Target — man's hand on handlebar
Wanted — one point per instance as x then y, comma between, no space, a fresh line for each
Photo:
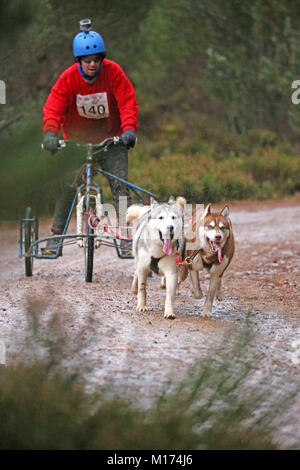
50,142
128,138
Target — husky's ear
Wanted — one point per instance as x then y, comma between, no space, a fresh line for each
171,200
225,211
206,211
153,202
180,201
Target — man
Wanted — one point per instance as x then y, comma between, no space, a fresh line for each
91,100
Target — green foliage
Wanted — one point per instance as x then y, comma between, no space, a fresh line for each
268,171
243,56
32,176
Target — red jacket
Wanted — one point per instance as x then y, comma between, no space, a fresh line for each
90,112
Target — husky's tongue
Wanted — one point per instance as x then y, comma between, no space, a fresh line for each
167,246
217,248
220,259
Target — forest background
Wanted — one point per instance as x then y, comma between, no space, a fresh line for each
214,88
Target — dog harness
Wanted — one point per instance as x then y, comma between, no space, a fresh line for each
207,264
154,264
155,261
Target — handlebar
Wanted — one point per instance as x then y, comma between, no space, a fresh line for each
108,141
102,145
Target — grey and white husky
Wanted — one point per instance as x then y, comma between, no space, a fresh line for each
159,236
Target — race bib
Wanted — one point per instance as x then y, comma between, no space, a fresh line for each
93,106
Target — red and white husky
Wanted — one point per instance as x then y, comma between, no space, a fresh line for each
214,249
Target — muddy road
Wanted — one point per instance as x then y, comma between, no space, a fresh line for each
139,353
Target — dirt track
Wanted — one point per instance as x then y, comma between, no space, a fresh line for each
141,352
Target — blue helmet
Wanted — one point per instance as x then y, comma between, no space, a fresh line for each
86,43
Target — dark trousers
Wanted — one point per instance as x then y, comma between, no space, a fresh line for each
115,161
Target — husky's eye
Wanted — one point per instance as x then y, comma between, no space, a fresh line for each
160,217
173,217
210,227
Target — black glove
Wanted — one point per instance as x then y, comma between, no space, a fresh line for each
128,138
50,142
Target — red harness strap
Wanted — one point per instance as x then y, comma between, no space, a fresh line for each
178,258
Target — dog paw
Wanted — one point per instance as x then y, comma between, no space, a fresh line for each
170,315
221,295
205,314
141,308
